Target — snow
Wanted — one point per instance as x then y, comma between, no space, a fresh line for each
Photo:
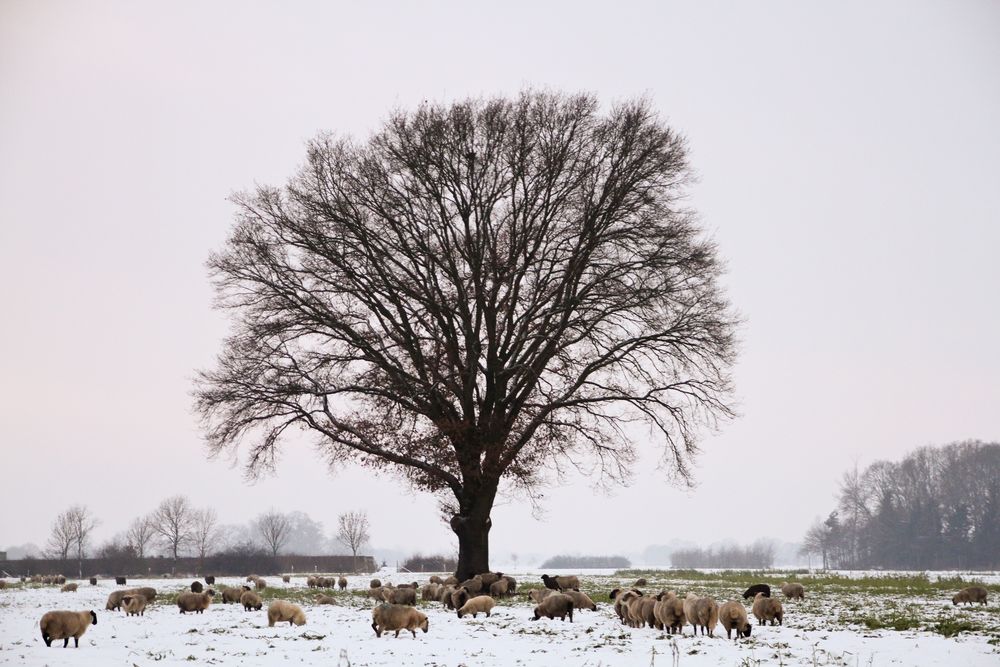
342,634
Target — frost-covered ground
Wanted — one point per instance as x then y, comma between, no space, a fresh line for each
831,627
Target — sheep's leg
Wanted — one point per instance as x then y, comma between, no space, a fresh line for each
65,642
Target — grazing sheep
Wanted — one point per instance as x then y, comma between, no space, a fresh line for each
147,592
430,592
280,611
135,604
539,594
325,599
555,605
621,600
757,588
251,601
436,579
400,595
481,604
639,582
639,611
498,588
196,587
3,584
767,609
311,582
669,613
388,617
93,581
260,584
561,583
120,581
59,579
690,600
489,578
210,580
733,616
342,583
375,583
459,597
511,584
234,593
793,591
444,596
196,602
451,580
115,600
251,578
68,588
969,595
474,585
412,585
66,624
581,600
706,611
286,578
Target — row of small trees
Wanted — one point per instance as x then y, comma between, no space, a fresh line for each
758,555
938,508
176,527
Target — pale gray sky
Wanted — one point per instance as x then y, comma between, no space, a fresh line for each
849,164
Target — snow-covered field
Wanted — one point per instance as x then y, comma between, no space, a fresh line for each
818,631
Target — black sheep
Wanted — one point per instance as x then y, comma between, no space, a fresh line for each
757,588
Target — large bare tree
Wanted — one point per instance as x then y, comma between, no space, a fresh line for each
479,297
61,538
173,522
204,532
274,528
139,535
352,532
71,534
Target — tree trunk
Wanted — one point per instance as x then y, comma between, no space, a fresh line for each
473,533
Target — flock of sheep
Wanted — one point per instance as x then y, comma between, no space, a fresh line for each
395,605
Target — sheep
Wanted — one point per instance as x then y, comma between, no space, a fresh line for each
260,584
407,596
3,584
68,588
511,584
210,580
539,594
196,587
793,591
733,616
481,604
251,601
311,582
251,578
66,624
234,593
342,583
375,583
147,592
286,578
459,598
639,582
767,609
561,583
498,588
93,581
325,599
388,617
639,611
115,600
621,600
444,596
120,581
706,612
451,580
669,613
969,595
135,604
555,605
757,588
412,585
581,600
280,611
59,579
430,592
489,578
436,579
474,585
196,602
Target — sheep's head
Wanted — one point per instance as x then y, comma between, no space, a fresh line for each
425,625
93,616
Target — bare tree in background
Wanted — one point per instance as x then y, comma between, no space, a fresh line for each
352,532
173,522
204,532
61,539
139,535
274,529
479,298
83,524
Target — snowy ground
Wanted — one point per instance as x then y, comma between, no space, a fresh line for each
822,630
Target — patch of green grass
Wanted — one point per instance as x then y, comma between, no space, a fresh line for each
949,627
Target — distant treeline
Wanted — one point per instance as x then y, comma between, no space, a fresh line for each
758,555
421,563
938,508
566,562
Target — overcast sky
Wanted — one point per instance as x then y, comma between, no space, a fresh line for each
849,167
